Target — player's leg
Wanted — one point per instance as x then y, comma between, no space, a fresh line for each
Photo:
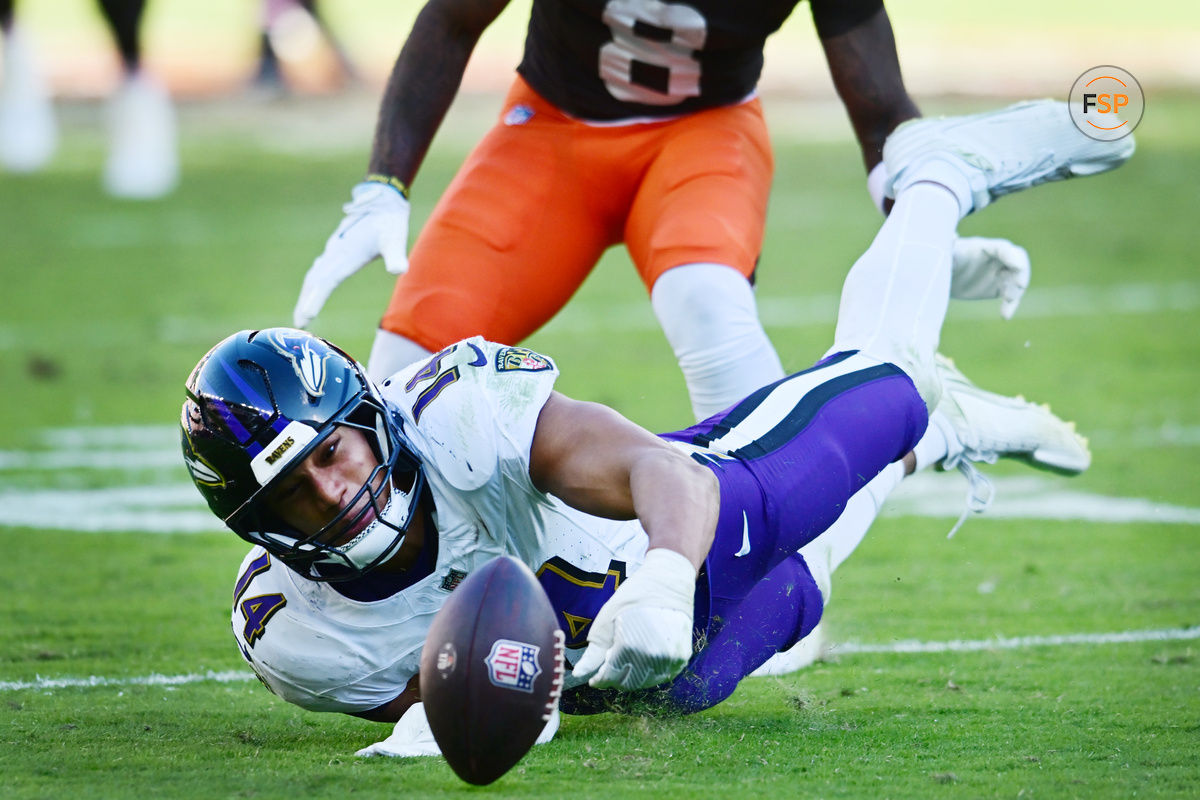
894,299
827,552
293,19
269,75
784,609
1003,151
392,352
971,425
143,158
345,63
791,456
780,609
805,445
766,632
710,318
745,619
124,19
513,236
28,130
695,231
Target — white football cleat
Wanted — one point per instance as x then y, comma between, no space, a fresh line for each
28,130
818,555
1003,151
804,653
982,427
143,158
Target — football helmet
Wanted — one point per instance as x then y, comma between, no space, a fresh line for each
257,405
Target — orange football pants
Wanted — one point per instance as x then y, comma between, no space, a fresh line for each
543,196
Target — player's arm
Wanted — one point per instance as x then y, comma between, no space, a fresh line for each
861,51
422,85
597,461
424,81
394,709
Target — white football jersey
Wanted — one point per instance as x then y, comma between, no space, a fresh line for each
469,414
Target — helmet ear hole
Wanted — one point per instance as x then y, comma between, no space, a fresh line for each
247,399
381,437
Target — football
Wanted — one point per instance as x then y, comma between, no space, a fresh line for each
491,670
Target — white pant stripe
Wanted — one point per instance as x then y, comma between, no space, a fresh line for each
780,402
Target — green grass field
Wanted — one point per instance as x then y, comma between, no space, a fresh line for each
118,676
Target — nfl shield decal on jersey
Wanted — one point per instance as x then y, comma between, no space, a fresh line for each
513,665
453,578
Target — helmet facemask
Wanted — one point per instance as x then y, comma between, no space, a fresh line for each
259,404
390,507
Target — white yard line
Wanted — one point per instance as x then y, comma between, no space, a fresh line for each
153,679
842,649
942,494
177,508
1018,642
169,504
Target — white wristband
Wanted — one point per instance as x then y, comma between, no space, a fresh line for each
673,571
876,178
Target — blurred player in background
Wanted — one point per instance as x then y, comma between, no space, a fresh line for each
369,503
632,121
142,160
294,24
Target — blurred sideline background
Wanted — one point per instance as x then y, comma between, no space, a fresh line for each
264,173
952,53
1016,48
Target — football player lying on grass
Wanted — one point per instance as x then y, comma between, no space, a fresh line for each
677,563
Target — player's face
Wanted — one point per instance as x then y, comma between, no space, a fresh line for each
327,481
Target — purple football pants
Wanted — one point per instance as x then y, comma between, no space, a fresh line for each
788,458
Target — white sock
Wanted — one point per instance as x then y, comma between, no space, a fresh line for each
710,319
946,171
895,297
882,485
932,447
391,353
827,552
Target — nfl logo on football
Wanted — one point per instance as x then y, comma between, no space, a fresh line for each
513,665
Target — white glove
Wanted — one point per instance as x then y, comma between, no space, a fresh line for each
988,268
376,224
643,634
412,737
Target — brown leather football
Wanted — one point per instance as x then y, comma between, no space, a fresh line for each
491,670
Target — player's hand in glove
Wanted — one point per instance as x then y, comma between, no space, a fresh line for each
988,268
376,224
412,736
643,634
